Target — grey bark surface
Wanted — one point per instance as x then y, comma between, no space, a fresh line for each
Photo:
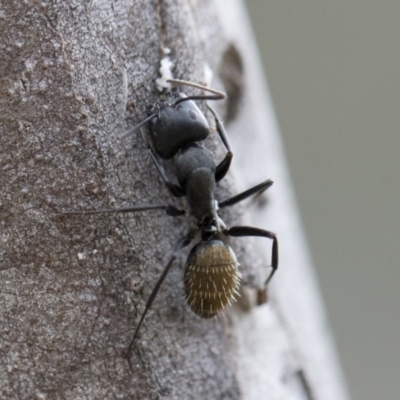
74,76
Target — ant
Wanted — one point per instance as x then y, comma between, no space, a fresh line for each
176,126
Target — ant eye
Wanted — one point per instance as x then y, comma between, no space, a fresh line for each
193,114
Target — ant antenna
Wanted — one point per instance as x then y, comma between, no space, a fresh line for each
218,95
221,95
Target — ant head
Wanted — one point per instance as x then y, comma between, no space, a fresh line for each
176,124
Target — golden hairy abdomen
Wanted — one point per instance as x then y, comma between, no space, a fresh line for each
211,278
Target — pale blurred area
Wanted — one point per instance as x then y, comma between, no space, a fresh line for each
333,69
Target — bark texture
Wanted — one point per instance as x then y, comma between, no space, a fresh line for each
74,75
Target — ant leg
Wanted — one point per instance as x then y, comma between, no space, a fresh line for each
257,190
168,208
251,231
174,189
180,244
139,125
223,166
220,129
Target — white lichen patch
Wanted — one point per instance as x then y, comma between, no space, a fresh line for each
208,75
165,73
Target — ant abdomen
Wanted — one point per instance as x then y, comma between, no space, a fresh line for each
211,278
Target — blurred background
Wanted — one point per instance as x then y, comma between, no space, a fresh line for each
333,69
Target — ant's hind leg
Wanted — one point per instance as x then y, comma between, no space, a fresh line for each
239,231
180,244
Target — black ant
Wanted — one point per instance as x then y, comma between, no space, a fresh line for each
176,126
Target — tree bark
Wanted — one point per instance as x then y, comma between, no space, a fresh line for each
75,75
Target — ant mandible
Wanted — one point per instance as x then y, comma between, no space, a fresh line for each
176,126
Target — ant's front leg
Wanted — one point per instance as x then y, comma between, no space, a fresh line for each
223,166
174,189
